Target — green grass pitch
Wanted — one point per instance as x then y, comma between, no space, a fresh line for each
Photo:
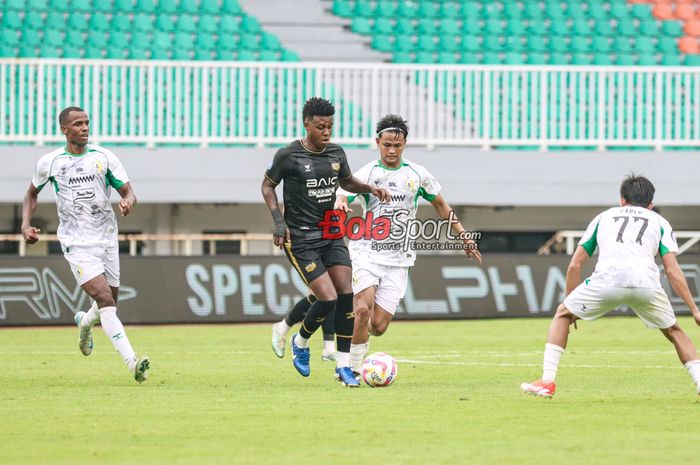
218,395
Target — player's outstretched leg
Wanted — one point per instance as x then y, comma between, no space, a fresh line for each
687,353
553,350
85,322
114,329
344,320
281,328
300,342
328,328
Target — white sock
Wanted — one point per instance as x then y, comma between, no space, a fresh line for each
357,354
92,316
342,359
301,342
693,368
328,347
552,354
115,331
283,327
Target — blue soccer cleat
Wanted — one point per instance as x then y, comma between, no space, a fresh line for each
300,358
347,377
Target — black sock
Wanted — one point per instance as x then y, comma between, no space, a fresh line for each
328,327
299,310
344,322
314,317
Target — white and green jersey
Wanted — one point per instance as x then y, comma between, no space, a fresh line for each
82,186
629,238
406,184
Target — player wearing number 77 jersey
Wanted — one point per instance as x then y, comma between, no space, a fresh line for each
629,237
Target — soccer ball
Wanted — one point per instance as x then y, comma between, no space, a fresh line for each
379,370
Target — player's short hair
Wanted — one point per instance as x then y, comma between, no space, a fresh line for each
392,123
317,106
63,117
637,190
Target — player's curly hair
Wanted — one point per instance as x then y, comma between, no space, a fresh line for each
637,190
392,123
63,117
317,106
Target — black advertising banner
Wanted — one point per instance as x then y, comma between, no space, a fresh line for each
42,291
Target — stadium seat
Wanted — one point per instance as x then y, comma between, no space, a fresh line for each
340,8
37,6
231,7
188,7
207,25
33,20
120,22
9,38
59,6
185,23
361,25
164,23
100,6
142,23
126,6
12,20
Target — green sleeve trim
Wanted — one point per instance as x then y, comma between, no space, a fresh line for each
429,197
590,245
663,250
112,181
351,198
53,182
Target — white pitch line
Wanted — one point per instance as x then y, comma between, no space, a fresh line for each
528,365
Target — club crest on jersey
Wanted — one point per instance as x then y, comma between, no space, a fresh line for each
310,267
335,166
98,167
411,185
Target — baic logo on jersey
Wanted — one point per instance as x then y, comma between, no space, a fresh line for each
322,188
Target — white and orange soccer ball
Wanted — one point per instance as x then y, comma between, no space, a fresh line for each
379,370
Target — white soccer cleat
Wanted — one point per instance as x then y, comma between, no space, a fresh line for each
539,388
328,356
140,367
278,340
85,335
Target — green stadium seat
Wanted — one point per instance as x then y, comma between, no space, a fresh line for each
98,22
492,10
537,27
536,43
581,59
75,38
289,55
162,40
447,58
602,59
125,6
361,25
491,58
27,51
6,51
624,59
59,6
231,7
159,53
142,23
426,26
183,40
12,20
582,27
558,44
575,10
94,53
385,8
229,24
188,7
46,51
515,28
449,26
53,38
118,40
268,55
667,45
120,22
382,43
471,26
138,39
78,21
207,25
81,6
470,43
181,54
185,23
670,60
425,58
225,55
448,10
533,10
101,6
9,38
448,43
30,38
597,10
514,58
647,59
205,42
402,58
138,53
146,7
470,9
553,9
250,24
97,39
246,55
620,10
558,59
559,28
33,20
270,42
228,42
166,8
692,60
72,52
494,27
626,28
601,44
493,43
405,26
622,45
644,45
38,6
672,28
603,28
340,8
209,7
363,9
649,27
580,44
469,58
426,43
427,10
383,26
249,42
404,43
515,44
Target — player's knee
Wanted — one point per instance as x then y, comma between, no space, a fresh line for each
104,298
377,328
672,332
564,313
361,312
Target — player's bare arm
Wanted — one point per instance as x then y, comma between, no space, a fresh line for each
128,200
30,233
341,203
354,185
443,210
280,232
679,284
573,272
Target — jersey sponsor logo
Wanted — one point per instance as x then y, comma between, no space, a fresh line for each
321,193
307,168
310,267
322,182
398,198
81,179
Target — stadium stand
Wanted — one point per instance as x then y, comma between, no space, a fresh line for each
557,32
136,29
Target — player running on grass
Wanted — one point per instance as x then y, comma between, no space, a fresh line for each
296,315
82,177
380,275
629,237
311,169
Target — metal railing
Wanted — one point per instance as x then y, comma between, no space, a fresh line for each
569,240
157,102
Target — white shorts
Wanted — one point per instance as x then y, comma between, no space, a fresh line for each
87,262
390,281
591,300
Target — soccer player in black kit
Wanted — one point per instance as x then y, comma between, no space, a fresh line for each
312,168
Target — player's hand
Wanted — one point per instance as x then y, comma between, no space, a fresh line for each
31,234
125,206
473,250
696,317
279,240
341,203
382,194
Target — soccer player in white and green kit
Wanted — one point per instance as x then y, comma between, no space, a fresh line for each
628,238
380,268
82,176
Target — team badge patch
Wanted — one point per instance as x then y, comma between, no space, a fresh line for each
310,267
335,166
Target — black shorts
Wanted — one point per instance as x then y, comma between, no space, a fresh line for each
312,258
